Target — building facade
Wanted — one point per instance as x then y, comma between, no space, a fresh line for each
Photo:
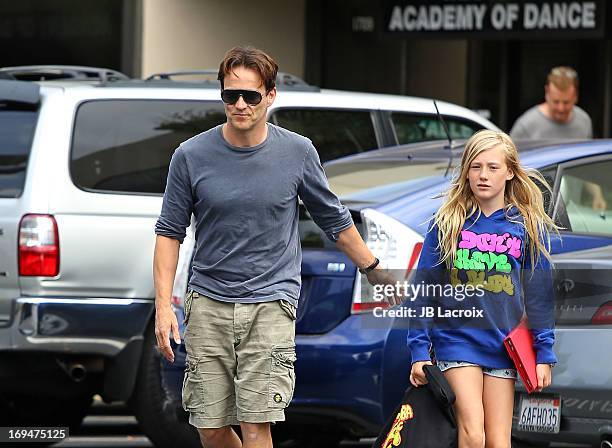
487,55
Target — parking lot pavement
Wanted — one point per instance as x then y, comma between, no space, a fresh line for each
107,426
113,426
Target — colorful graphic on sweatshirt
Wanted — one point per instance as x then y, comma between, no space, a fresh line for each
482,261
494,283
394,437
491,242
491,254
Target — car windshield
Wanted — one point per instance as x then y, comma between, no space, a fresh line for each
377,181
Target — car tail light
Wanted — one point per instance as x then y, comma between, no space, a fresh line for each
416,252
38,246
603,316
363,297
397,246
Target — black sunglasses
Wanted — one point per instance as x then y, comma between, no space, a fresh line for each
251,97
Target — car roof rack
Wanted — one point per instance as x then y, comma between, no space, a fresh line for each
209,77
55,72
284,81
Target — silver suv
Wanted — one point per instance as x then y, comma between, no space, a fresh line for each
84,157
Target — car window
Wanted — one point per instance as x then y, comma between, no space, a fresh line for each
586,193
334,132
126,145
17,124
311,235
410,128
549,174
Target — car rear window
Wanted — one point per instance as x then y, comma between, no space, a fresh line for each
410,128
17,124
125,145
334,132
370,183
375,181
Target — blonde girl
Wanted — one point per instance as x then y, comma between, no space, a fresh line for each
490,230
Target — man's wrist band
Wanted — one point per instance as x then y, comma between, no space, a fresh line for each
370,268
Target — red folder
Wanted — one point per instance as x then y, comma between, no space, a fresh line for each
519,344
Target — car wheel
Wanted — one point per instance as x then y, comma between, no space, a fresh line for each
158,415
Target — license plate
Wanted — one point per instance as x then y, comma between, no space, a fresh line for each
540,413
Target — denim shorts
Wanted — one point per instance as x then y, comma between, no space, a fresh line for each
498,373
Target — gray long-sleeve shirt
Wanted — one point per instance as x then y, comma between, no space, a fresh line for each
245,203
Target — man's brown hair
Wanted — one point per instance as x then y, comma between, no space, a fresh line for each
563,77
251,58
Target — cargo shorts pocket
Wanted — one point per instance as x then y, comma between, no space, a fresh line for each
288,308
187,305
193,386
282,377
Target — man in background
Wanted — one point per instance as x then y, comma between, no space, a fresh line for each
558,116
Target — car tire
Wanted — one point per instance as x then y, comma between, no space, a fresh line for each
156,411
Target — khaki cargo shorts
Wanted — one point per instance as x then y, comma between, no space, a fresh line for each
240,359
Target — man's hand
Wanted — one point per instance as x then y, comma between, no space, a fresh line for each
544,372
599,203
350,242
381,276
598,200
417,375
164,267
166,323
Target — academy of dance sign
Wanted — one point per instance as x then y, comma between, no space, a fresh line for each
493,18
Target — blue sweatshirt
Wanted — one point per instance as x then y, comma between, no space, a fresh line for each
492,249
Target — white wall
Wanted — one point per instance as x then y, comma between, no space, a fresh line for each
183,34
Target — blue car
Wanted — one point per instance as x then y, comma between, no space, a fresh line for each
353,366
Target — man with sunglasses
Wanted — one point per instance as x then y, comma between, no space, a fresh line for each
242,181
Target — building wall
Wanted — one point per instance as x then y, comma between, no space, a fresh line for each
183,34
342,54
69,32
437,69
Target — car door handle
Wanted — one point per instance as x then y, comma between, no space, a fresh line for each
566,285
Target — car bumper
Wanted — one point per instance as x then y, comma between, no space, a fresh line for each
576,430
582,379
74,325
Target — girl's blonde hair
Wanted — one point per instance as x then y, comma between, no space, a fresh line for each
521,192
